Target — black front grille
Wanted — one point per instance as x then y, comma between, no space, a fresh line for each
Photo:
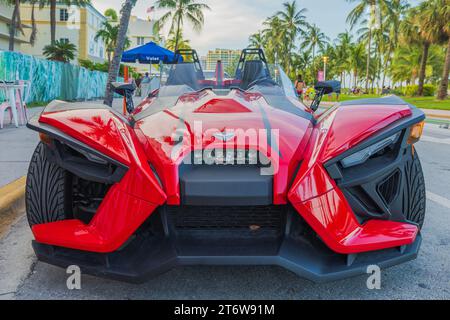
388,189
237,221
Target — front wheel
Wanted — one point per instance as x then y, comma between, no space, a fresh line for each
45,192
415,186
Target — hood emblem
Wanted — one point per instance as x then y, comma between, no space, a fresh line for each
224,136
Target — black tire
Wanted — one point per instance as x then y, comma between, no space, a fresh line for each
45,190
415,184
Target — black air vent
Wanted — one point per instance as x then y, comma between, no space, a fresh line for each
388,188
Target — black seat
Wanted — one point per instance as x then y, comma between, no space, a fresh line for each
183,74
253,69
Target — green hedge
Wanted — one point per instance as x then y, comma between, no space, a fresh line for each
428,90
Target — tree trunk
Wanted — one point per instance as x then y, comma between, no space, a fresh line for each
369,44
177,35
386,65
33,26
12,28
114,67
443,87
423,67
314,64
52,21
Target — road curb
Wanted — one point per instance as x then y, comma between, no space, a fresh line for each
12,196
429,115
437,116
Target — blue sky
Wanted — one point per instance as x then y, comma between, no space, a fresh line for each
230,22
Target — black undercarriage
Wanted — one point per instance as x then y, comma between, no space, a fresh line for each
245,235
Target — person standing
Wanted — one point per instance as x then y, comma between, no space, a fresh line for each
299,86
146,78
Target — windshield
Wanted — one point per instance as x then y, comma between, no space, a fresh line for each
254,75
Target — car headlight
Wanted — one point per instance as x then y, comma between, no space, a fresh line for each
364,154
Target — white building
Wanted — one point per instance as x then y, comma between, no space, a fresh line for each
140,32
79,25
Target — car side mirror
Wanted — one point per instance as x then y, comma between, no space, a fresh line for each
324,87
126,90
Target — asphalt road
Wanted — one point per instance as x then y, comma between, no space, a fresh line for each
428,277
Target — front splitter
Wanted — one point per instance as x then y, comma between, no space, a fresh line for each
141,261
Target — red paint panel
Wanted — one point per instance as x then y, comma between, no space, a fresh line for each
331,217
98,128
166,156
222,106
319,201
126,205
117,218
353,124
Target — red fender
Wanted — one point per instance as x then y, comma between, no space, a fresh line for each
321,203
127,204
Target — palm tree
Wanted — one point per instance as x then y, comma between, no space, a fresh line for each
406,64
343,42
60,51
180,10
33,33
275,44
173,40
111,14
292,20
435,21
443,86
356,60
256,40
108,33
392,24
53,3
376,10
16,23
114,66
423,26
314,38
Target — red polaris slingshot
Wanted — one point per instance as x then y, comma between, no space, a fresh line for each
226,171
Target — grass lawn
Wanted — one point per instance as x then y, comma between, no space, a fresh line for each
420,102
37,104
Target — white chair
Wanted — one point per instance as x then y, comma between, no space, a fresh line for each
4,106
23,94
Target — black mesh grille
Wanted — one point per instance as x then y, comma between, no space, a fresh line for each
388,189
231,221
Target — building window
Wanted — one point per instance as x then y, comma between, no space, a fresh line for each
140,41
63,15
64,40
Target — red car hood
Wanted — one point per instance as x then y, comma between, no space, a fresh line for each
199,117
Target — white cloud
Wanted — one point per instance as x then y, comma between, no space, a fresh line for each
227,25
231,22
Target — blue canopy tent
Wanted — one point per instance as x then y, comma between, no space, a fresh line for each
149,53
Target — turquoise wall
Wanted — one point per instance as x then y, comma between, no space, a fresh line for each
51,79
